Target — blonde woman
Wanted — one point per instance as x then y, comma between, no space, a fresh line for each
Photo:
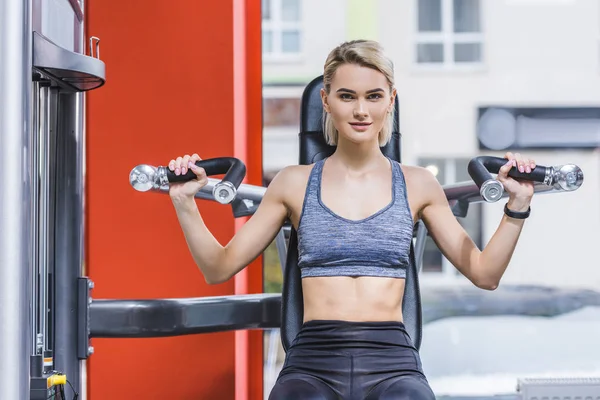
354,213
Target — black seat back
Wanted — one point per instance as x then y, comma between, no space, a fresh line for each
313,147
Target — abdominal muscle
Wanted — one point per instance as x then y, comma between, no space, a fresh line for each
345,298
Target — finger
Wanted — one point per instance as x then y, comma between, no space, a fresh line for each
503,171
527,165
193,160
178,165
532,163
512,157
172,165
184,164
519,162
200,173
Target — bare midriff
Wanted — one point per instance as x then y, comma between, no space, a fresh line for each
345,298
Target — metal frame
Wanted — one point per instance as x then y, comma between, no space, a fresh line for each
41,202
15,214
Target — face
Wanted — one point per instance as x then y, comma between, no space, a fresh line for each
358,102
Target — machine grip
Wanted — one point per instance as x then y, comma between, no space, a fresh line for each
481,168
146,177
233,169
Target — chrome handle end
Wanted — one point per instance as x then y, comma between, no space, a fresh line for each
224,192
491,190
567,177
143,177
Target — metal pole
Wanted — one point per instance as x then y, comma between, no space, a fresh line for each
15,199
34,182
68,231
44,215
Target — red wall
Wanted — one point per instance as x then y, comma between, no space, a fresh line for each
169,91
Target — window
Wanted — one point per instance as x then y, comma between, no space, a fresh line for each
281,28
447,172
449,32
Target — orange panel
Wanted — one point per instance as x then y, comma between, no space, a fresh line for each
248,146
169,91
255,176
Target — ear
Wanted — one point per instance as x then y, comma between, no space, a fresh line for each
324,100
392,100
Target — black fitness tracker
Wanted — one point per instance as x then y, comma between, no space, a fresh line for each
515,214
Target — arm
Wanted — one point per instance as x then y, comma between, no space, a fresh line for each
219,263
484,268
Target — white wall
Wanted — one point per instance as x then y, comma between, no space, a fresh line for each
323,28
536,53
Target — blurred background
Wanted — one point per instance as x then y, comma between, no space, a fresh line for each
473,77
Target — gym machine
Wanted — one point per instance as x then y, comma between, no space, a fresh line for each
49,317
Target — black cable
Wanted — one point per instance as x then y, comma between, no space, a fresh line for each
75,394
62,389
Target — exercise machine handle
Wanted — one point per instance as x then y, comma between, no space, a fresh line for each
566,177
146,177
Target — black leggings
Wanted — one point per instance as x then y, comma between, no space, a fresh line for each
332,360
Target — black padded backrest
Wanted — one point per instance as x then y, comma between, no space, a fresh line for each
314,148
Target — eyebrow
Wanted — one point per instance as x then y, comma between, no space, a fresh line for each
354,92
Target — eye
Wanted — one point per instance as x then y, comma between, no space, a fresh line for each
345,96
375,96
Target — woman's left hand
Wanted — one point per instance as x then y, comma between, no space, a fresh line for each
520,191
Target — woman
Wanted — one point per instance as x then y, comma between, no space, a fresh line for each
354,213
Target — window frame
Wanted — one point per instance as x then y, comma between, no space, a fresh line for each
448,38
277,26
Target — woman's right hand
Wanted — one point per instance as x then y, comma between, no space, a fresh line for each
180,166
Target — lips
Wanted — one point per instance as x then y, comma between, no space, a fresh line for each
360,126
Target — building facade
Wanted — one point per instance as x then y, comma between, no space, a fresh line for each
473,77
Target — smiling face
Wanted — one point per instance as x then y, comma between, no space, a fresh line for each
359,103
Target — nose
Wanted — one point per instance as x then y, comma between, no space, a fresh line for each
360,111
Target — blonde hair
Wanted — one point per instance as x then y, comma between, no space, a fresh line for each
366,53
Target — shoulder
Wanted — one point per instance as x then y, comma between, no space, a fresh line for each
421,185
418,177
291,178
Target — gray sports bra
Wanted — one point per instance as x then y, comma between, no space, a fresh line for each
330,245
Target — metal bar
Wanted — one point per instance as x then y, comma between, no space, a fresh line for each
15,198
175,317
245,191
77,9
34,254
469,192
464,191
44,213
68,235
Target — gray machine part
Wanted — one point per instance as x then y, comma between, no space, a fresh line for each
15,214
175,317
42,149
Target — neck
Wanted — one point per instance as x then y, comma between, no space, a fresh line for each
358,156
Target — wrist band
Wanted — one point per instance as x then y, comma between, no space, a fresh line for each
516,214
